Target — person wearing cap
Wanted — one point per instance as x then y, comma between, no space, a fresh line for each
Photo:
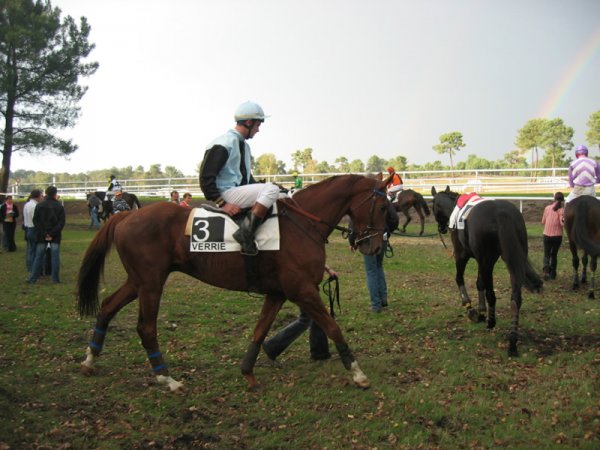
226,178
395,185
113,185
297,181
30,235
49,221
119,204
584,173
553,220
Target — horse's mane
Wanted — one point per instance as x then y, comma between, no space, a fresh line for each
351,180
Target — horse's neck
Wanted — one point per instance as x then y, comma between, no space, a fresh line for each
329,208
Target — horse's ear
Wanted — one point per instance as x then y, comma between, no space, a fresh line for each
433,191
447,189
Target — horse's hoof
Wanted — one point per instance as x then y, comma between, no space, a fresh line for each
513,353
481,318
575,287
473,315
362,384
87,370
591,295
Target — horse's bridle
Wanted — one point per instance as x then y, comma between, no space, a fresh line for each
370,231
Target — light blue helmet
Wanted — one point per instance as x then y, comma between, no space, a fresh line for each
581,150
249,111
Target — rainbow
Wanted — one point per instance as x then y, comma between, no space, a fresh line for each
576,67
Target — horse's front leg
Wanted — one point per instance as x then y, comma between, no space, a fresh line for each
316,310
271,306
408,219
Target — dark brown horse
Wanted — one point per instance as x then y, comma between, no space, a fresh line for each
408,199
494,229
582,223
107,210
294,272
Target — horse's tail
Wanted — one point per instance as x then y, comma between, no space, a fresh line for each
136,201
581,234
423,204
92,267
513,245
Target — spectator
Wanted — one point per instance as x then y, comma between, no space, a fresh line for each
49,221
174,197
297,181
553,230
374,264
9,212
319,346
187,199
30,235
94,204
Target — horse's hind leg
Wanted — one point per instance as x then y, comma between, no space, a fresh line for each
575,264
408,219
515,308
421,218
270,308
593,265
110,307
147,330
584,264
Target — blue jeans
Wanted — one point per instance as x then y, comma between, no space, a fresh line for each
31,238
376,280
94,216
38,262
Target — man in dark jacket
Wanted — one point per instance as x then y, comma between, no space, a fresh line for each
49,220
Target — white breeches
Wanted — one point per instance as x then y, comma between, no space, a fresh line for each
245,196
581,190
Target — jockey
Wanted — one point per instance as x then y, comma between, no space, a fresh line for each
297,181
119,204
226,178
395,185
113,186
584,173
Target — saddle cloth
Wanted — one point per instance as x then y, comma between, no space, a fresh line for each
464,205
211,231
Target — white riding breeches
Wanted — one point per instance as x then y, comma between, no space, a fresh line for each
245,196
581,190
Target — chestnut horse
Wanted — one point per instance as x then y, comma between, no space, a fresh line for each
494,229
293,272
582,223
411,199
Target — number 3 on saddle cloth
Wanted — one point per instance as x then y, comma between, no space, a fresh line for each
211,230
464,205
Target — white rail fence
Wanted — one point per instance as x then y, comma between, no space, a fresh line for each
490,182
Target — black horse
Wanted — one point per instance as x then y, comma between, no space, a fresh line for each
494,229
582,222
411,199
107,209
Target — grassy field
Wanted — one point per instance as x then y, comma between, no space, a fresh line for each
438,381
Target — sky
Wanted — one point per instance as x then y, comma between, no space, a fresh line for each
344,77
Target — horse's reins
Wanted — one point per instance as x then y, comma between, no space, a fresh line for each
293,205
332,294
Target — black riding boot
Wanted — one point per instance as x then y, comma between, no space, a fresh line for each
245,234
